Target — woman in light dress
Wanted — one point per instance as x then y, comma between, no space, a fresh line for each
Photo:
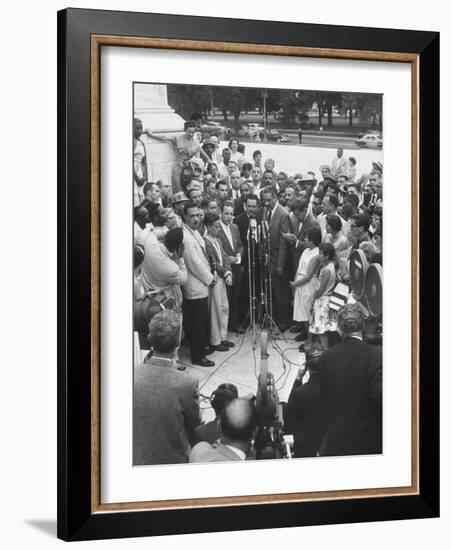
322,319
304,283
235,153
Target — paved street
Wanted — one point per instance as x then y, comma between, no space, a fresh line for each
293,158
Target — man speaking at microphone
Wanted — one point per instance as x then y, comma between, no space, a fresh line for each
247,223
277,219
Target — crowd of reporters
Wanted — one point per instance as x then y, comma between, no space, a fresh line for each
197,259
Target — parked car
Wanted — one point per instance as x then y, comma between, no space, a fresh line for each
273,135
364,133
370,140
211,128
251,129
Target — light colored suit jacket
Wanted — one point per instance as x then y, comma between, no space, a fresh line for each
199,275
217,452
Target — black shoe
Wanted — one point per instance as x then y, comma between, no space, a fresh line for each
209,350
220,347
297,327
300,337
204,362
228,344
302,348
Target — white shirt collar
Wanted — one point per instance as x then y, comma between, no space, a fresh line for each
239,452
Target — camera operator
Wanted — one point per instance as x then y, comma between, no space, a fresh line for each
238,423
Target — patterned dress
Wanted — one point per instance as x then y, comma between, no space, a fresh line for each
322,319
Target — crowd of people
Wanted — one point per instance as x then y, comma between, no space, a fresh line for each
194,251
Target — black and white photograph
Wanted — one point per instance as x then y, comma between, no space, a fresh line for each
257,273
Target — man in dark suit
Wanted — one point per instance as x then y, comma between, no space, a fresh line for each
306,415
165,400
247,223
301,221
277,220
350,377
238,423
229,236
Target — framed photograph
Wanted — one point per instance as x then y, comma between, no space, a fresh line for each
248,274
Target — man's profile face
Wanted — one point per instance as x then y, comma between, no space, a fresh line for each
227,215
251,208
137,128
282,180
192,217
245,190
222,191
211,188
190,131
212,208
300,214
196,196
289,195
269,200
327,206
268,178
166,189
317,206
214,228
154,193
376,185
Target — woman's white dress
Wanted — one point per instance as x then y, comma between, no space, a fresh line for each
303,295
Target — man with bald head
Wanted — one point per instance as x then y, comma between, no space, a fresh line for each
238,423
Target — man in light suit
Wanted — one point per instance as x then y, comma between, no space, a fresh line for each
165,400
195,289
218,305
277,219
350,379
238,423
229,236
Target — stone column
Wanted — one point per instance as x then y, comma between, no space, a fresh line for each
151,106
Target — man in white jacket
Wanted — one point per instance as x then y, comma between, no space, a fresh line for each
195,289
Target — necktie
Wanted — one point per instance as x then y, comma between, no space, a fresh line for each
268,218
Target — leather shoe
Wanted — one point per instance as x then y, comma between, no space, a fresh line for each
220,347
204,362
209,350
300,337
228,344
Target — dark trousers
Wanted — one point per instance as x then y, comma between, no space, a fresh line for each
245,292
195,325
281,301
233,295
